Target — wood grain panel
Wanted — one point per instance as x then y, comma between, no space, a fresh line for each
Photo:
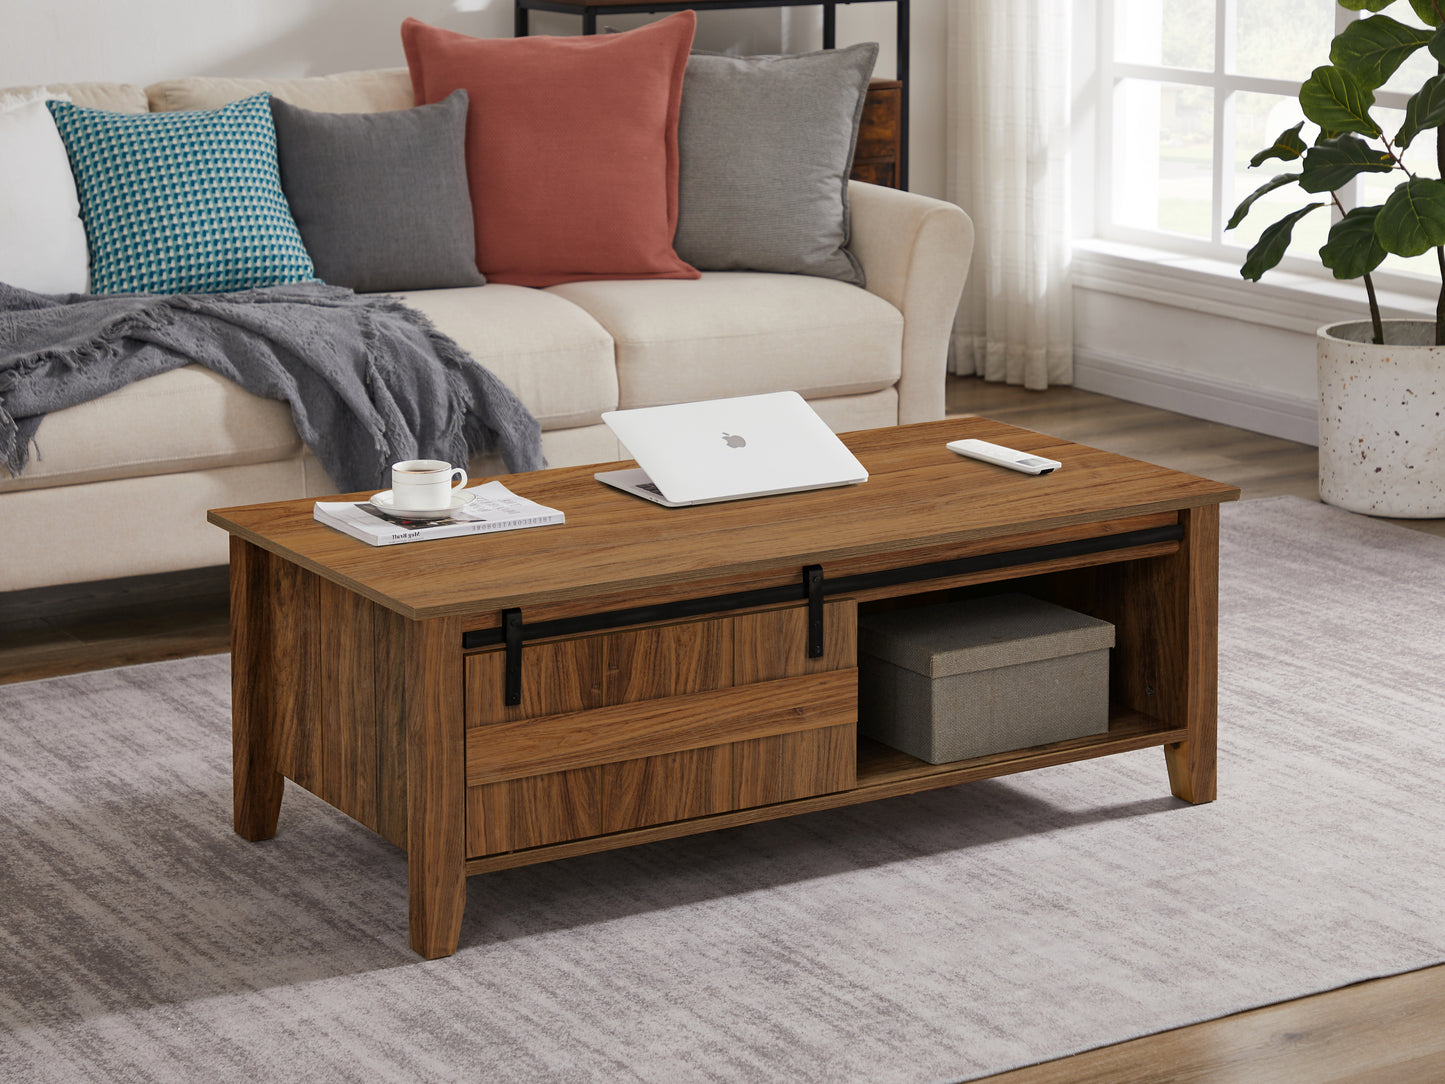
627,731
783,767
670,787
534,811
669,660
390,630
773,644
295,671
557,676
347,710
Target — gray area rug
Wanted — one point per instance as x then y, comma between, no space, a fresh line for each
938,937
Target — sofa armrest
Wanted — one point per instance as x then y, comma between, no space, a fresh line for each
915,252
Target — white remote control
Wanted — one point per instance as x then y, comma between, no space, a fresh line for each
1004,457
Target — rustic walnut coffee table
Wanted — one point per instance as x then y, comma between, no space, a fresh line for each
642,672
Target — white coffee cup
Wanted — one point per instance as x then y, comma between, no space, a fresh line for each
425,485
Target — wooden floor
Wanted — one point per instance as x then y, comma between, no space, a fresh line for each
1389,1030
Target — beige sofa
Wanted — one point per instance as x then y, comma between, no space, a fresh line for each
119,486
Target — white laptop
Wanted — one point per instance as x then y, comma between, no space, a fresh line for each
728,449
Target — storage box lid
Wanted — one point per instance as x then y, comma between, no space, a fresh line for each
980,634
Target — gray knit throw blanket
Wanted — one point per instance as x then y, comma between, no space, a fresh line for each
369,380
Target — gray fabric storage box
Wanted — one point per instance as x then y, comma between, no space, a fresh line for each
964,679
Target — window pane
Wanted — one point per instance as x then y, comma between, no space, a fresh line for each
1174,33
1258,119
1283,39
1163,157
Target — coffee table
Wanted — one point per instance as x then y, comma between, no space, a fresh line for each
642,673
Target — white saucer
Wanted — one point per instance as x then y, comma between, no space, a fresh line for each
382,502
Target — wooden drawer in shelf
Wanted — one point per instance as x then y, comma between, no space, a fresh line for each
639,727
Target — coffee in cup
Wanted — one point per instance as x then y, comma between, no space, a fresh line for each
425,485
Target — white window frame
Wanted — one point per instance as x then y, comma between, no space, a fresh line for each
1294,271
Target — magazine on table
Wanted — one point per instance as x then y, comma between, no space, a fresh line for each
492,507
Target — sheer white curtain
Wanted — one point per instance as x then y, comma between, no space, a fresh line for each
1008,167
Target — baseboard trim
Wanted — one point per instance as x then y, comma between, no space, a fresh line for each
1276,414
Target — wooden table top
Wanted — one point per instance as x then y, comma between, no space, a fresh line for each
918,495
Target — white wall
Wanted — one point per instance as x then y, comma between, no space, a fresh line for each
142,41
927,62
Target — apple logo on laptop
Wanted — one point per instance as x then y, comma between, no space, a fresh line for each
732,440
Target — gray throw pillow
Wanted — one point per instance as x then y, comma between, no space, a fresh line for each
381,199
765,144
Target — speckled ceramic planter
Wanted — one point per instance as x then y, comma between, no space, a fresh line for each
1382,419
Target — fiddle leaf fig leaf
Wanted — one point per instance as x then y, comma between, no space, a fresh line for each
1353,249
1425,109
1437,46
1412,220
1331,163
1427,10
1337,101
1272,244
1372,49
1366,5
1248,201
1287,147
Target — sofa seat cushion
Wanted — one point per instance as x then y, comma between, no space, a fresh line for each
555,357
743,333
184,420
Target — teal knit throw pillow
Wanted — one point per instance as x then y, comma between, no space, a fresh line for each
186,202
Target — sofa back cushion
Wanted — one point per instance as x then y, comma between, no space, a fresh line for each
571,147
344,92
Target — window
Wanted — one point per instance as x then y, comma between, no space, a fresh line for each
1191,90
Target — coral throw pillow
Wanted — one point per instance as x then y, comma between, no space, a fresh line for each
571,147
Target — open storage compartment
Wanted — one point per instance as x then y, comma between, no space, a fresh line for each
1145,692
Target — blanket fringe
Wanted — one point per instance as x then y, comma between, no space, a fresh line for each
465,432
104,346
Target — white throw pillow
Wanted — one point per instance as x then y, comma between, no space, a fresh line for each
42,236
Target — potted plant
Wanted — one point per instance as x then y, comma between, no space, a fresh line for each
1382,382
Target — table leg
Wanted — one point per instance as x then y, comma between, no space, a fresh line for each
1192,762
256,780
432,693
